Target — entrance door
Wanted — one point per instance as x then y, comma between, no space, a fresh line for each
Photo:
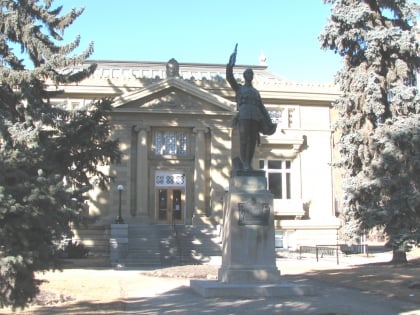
170,205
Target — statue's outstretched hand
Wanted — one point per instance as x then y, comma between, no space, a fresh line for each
232,59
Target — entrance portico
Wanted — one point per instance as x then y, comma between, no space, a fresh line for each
171,128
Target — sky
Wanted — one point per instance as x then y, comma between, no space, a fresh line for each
206,31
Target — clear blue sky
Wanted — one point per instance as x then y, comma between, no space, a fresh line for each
205,31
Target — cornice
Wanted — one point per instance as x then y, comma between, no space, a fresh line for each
206,81
179,84
196,73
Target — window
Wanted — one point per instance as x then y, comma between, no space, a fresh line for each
285,117
276,116
171,142
278,174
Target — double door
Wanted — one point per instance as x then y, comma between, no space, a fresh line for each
170,205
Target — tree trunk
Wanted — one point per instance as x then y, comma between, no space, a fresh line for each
399,256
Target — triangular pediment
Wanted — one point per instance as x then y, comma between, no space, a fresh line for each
173,95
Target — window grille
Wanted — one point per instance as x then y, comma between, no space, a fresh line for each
167,179
172,143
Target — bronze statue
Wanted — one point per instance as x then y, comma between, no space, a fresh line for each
252,117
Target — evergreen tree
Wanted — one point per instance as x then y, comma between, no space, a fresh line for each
49,156
379,116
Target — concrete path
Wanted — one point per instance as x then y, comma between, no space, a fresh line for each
129,291
180,299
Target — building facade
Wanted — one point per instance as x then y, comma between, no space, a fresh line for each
174,124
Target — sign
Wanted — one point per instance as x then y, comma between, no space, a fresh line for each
253,213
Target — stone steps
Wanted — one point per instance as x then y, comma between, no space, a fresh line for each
94,238
198,244
157,245
144,245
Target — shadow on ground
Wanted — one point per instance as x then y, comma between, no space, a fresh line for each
374,288
391,280
378,288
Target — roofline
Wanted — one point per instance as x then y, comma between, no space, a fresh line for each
163,63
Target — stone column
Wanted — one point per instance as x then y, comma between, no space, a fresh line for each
142,179
200,175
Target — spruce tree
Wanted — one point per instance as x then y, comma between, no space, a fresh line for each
379,117
49,155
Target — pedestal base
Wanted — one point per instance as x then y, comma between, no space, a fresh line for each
212,289
249,275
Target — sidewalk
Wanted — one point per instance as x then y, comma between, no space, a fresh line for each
129,291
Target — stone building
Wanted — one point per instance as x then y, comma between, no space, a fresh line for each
174,124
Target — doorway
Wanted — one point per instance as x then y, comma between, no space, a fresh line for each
170,205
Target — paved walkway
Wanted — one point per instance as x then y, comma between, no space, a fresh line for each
133,292
180,299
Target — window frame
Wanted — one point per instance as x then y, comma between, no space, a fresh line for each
285,172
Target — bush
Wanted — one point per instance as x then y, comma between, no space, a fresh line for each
74,249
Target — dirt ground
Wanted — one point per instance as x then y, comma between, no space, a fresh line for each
106,289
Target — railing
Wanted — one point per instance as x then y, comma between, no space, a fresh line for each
320,251
333,250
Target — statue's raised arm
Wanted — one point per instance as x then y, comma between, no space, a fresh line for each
229,70
232,59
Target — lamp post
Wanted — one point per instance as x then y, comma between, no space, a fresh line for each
119,219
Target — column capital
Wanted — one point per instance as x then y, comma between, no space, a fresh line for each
141,127
200,129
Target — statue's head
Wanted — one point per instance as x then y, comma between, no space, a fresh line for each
248,75
172,68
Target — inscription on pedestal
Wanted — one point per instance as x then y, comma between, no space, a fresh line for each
253,213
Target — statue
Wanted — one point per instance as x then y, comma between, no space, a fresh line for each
172,68
252,117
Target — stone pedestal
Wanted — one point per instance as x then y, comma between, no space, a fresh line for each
248,267
248,232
